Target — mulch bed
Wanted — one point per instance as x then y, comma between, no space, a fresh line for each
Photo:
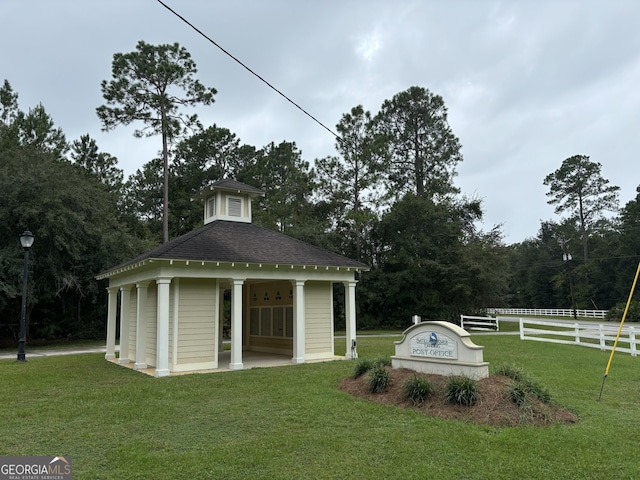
494,407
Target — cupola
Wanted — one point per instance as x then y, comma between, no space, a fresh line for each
227,200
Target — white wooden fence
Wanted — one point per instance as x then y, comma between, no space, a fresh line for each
551,312
479,323
594,336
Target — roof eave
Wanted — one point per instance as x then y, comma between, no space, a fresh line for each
227,264
207,191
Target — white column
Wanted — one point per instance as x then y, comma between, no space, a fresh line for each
125,313
162,335
350,320
298,322
236,325
112,308
141,327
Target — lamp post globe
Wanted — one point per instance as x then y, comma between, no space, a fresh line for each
26,240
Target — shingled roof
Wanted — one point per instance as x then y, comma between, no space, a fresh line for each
226,241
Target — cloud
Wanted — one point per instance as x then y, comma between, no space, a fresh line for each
527,84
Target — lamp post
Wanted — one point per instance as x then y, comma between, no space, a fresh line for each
566,257
26,240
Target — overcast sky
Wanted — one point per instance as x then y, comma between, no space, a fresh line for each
527,83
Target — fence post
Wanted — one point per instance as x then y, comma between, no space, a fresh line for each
601,333
632,342
521,329
577,328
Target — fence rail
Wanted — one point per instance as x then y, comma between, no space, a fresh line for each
551,312
594,336
479,323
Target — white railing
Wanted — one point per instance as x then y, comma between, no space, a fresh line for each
468,322
551,312
594,336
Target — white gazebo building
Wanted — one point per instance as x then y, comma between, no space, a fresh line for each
171,298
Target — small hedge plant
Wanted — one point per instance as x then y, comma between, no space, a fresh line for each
379,379
364,364
462,390
512,371
523,386
417,389
383,360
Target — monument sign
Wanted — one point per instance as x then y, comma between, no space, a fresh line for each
441,348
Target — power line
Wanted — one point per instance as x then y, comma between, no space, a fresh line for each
558,263
247,68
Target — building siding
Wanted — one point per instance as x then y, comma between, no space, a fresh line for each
196,317
319,321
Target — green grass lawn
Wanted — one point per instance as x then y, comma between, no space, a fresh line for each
293,422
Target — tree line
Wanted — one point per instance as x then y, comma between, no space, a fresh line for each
387,198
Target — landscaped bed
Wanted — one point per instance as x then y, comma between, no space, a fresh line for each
495,404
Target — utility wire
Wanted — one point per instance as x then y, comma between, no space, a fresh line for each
557,263
247,68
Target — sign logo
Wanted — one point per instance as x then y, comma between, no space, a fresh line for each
433,345
35,468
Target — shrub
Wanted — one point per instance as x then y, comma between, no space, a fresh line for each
518,395
617,311
462,390
362,366
383,360
511,371
379,379
532,387
417,389
523,386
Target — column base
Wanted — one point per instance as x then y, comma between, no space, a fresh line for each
110,356
139,366
297,360
236,366
162,373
